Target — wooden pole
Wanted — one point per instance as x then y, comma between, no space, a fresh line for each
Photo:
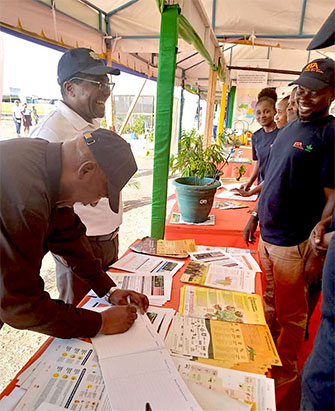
210,105
222,110
131,108
266,70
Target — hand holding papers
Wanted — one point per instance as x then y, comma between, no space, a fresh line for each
234,195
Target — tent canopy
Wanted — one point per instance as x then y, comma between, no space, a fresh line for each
247,30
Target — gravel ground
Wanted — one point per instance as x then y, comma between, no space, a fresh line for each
17,346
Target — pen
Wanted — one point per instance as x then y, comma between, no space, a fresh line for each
128,299
148,407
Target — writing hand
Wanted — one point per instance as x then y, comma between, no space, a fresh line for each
119,297
117,320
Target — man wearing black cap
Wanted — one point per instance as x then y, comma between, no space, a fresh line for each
40,183
85,88
298,192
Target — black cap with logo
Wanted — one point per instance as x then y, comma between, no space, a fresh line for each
325,37
82,60
317,74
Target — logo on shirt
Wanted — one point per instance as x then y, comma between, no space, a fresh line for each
313,67
300,146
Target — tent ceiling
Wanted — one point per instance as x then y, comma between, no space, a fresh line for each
282,31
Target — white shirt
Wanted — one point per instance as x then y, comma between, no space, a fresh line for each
16,110
64,124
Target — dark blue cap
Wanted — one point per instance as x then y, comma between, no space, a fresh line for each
82,60
116,159
325,37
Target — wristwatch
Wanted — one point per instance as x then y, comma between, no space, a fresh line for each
109,293
254,214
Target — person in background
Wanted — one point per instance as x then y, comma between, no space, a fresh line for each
17,117
281,115
34,115
268,92
85,87
40,183
26,117
292,109
262,141
298,191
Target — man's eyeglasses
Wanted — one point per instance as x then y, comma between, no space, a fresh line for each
100,84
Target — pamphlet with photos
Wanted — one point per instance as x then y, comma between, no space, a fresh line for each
221,305
164,248
216,276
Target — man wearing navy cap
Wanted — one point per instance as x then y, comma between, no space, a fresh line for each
298,191
40,183
85,87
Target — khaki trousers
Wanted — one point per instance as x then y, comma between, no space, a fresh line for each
285,300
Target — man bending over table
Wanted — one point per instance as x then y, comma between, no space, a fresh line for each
40,182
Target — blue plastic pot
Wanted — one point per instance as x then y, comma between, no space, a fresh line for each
195,197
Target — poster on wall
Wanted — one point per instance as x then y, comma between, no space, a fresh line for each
252,79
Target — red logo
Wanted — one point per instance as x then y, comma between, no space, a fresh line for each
298,144
313,67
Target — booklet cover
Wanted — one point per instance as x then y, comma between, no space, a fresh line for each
164,248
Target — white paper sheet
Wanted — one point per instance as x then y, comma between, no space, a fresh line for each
147,377
138,263
140,337
233,195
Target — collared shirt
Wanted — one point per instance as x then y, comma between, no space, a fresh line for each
31,225
64,124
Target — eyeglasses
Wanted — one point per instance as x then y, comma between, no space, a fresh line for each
100,84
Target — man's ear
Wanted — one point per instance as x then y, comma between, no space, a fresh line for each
68,88
87,170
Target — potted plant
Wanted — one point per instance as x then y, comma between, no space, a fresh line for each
199,167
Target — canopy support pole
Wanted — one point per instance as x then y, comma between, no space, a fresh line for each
231,107
210,106
131,108
163,122
182,100
222,110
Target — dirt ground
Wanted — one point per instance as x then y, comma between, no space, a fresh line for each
17,346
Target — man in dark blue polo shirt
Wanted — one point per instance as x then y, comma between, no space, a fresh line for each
298,192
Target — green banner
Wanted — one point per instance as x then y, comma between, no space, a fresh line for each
163,122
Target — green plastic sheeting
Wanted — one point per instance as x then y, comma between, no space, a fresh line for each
231,107
163,121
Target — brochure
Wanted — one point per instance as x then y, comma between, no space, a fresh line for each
164,248
216,276
221,305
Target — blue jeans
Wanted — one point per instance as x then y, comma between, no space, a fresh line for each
17,125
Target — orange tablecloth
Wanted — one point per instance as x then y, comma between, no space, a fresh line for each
227,231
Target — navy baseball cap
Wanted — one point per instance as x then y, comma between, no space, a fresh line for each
82,60
116,159
317,74
325,37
